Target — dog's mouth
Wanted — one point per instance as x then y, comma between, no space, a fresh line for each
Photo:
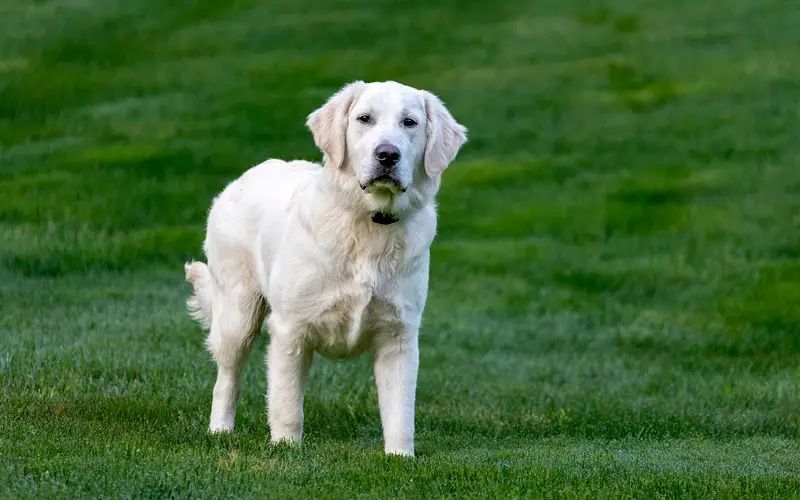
384,183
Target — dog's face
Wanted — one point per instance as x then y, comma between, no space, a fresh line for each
389,141
385,137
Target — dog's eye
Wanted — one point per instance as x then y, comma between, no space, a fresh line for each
364,118
409,122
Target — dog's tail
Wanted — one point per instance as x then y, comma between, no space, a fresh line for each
199,304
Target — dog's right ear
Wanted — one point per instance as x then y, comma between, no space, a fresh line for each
328,124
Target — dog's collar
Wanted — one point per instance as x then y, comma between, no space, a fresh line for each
383,218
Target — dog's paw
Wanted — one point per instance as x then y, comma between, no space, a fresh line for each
220,429
400,452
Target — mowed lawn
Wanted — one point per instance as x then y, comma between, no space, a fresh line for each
614,307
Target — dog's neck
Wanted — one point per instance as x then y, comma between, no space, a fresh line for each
352,198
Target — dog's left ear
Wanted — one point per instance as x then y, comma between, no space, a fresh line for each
445,136
328,124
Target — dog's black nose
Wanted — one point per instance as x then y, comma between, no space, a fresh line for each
387,155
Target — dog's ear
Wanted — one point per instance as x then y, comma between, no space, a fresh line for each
329,123
445,136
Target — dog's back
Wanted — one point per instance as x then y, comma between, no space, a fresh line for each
259,196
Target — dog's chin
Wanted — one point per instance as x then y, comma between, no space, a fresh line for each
384,197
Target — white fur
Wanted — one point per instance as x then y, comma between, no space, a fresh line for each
296,241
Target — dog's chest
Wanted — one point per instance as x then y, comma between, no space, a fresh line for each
363,303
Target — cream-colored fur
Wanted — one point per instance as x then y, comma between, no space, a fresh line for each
295,242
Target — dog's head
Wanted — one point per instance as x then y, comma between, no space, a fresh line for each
387,144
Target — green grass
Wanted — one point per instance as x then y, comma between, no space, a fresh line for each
615,294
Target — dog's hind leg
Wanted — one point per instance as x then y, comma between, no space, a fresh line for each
238,312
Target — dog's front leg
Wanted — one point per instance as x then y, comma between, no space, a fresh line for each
288,364
396,366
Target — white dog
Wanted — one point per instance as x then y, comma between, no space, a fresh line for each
336,256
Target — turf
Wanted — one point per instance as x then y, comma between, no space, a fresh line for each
615,288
